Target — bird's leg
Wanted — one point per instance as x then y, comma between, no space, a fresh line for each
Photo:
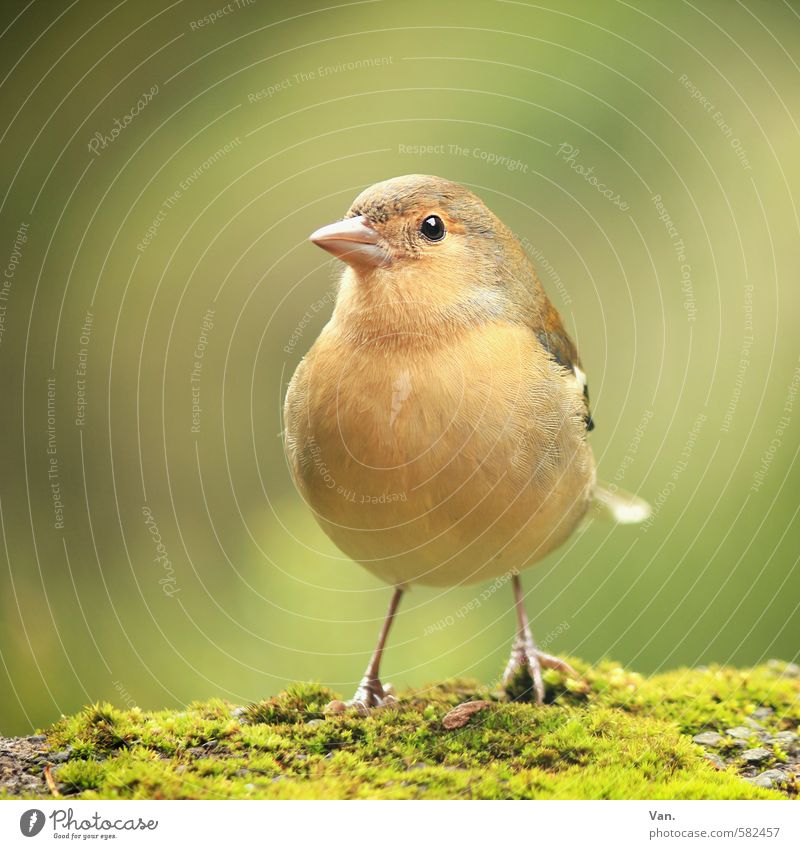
524,652
370,692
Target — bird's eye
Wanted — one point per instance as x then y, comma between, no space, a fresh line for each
432,228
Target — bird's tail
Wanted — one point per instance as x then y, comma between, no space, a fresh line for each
616,505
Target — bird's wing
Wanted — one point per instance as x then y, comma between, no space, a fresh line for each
556,341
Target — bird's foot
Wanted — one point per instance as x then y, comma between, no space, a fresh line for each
371,694
525,656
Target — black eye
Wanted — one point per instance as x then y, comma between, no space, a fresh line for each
432,228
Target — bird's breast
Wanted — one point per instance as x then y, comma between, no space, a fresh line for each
441,462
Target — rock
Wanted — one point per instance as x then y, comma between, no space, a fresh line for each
60,757
741,732
459,716
785,739
760,781
37,738
314,722
751,723
788,670
716,760
335,707
762,713
756,756
775,777
211,744
709,738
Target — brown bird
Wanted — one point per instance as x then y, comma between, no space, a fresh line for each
437,427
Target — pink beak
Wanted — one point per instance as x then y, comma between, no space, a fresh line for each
353,241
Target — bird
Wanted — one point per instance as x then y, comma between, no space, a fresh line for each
438,426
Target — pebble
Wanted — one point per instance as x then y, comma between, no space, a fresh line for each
762,713
60,757
740,732
314,722
709,738
37,738
755,756
789,670
714,759
774,776
760,781
785,738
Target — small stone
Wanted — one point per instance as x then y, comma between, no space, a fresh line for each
37,738
751,723
249,787
416,766
335,707
762,713
239,712
785,739
788,670
741,732
756,756
211,744
716,760
775,776
709,738
760,781
312,723
461,715
59,757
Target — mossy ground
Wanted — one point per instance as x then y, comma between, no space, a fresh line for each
614,735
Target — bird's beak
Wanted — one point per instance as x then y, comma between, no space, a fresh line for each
353,241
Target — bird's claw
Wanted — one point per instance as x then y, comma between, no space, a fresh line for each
369,696
527,656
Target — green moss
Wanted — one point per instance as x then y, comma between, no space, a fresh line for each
613,735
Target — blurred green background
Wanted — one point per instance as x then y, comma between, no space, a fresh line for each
162,166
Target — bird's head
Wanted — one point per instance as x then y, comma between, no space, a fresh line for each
425,240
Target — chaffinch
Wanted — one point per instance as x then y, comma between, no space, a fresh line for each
438,425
